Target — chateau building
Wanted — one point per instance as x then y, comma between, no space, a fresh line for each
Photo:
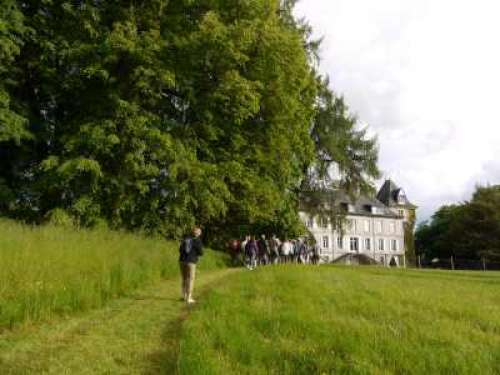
373,230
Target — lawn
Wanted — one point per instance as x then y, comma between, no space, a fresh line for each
333,319
52,271
118,296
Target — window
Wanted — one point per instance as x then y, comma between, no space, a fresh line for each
340,242
374,210
354,244
350,208
401,213
326,242
310,222
379,227
324,222
392,227
394,245
381,244
367,225
367,244
352,225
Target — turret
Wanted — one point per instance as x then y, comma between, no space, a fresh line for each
395,198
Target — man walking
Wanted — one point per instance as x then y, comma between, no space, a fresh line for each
190,249
274,245
263,247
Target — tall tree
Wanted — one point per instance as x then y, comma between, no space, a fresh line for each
161,114
12,124
340,142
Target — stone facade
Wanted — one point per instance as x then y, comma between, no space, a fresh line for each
373,230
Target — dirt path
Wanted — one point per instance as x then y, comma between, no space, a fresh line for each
134,335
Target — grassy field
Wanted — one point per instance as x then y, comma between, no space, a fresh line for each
108,302
331,319
136,334
52,271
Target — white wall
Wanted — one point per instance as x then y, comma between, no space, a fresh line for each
362,228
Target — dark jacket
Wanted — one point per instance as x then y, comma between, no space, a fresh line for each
263,247
195,252
251,248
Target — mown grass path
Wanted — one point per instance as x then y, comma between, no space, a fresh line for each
139,334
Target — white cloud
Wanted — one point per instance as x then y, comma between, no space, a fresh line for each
425,76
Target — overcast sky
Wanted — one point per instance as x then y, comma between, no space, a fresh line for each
425,76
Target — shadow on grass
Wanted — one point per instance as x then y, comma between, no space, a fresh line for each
143,297
165,360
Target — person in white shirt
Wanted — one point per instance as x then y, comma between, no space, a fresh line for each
286,249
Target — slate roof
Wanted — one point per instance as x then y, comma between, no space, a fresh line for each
362,205
388,195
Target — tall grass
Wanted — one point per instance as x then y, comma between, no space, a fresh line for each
48,271
336,320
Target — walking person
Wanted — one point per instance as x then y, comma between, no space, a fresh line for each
234,250
251,251
263,250
297,250
274,245
286,250
243,250
301,251
190,250
316,254
292,249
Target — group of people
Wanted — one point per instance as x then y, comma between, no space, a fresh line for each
249,251
253,252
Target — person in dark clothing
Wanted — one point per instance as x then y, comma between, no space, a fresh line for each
234,250
190,250
315,254
263,250
251,250
301,251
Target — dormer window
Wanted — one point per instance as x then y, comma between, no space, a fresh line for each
347,207
401,196
374,210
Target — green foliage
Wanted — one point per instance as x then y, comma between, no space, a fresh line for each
346,158
56,270
59,217
337,320
160,115
12,124
470,230
409,237
339,142
136,334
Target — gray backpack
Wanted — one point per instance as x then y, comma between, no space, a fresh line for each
187,245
